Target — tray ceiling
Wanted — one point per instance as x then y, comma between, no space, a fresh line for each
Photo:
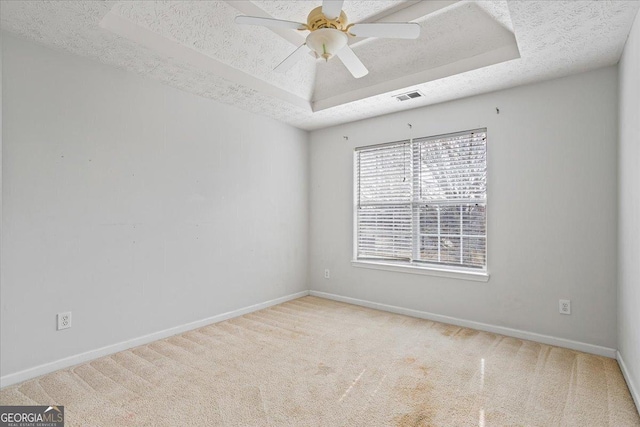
465,48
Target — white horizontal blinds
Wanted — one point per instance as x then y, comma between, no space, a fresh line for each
453,168
384,202
423,201
451,201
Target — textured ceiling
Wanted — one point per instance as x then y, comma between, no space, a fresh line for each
554,38
209,28
356,10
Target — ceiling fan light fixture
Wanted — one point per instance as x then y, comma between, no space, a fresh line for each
326,42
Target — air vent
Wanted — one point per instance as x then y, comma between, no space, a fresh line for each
409,95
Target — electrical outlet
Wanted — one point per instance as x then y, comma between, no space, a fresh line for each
565,306
64,320
327,274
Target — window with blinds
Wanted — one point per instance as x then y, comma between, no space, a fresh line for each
423,201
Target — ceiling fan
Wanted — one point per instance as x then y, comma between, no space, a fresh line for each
329,33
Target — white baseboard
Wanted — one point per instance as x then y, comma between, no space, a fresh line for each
67,362
635,392
516,333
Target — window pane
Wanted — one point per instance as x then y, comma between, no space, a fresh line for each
450,250
474,220
428,248
474,250
428,220
384,231
450,220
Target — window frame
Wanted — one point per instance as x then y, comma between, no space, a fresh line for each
420,267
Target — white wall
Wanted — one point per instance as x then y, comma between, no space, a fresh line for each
629,225
136,206
552,197
1,184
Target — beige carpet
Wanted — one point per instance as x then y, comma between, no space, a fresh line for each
314,362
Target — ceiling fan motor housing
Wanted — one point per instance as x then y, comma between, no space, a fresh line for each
317,20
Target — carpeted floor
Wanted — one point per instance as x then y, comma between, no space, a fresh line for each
314,362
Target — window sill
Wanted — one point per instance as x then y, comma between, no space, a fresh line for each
479,276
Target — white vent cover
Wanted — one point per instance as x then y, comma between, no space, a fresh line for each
409,95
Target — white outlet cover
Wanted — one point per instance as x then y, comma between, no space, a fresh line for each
564,306
327,274
64,320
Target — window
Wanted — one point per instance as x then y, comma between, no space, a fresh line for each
422,203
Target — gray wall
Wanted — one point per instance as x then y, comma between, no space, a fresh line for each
629,274
136,206
552,197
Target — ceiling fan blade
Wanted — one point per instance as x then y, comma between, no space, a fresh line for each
390,30
296,56
332,8
352,62
269,22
